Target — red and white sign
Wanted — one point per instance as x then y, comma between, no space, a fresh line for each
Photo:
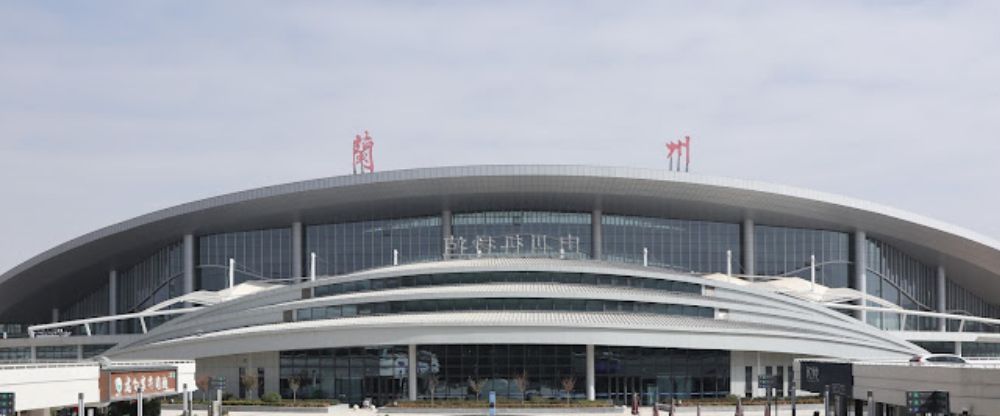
119,385
363,153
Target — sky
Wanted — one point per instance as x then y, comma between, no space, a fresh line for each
113,109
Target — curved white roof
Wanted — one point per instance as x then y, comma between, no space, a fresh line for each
972,260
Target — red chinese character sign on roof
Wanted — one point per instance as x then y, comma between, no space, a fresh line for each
363,153
683,149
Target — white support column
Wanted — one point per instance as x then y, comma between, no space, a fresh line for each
55,315
591,391
596,234
942,297
860,274
958,348
445,230
312,267
412,372
188,263
298,256
748,260
79,353
112,299
232,272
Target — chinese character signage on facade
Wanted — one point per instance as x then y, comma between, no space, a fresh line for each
363,153
683,150
513,245
119,385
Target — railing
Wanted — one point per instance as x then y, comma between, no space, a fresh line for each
34,330
906,312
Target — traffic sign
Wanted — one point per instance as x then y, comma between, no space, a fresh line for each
6,404
218,383
765,381
918,402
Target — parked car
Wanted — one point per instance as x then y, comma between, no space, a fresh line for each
938,359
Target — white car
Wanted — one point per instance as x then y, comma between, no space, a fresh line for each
938,359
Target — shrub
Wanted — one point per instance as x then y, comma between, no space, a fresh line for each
271,398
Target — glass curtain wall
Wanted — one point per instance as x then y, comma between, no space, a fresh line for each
520,234
782,251
683,245
461,368
259,255
154,280
962,301
92,305
347,374
348,247
659,374
900,279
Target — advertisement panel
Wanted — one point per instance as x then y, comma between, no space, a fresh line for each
117,385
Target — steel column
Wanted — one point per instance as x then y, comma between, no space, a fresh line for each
591,390
445,230
860,274
596,234
748,261
942,297
112,300
298,257
412,372
188,263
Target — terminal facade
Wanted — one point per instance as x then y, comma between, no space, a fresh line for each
588,282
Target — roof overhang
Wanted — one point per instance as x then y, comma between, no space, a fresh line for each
83,263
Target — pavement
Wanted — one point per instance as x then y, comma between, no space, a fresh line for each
344,410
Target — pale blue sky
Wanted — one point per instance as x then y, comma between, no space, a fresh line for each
110,110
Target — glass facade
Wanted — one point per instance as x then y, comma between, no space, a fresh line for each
92,305
898,278
961,301
348,247
520,234
505,277
981,349
494,367
499,304
683,245
660,373
60,353
347,374
258,255
15,354
151,281
458,371
782,251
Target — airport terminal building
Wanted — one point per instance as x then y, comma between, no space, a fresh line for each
599,281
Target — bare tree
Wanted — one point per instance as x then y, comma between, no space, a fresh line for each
432,383
294,383
522,384
249,382
477,386
568,384
203,382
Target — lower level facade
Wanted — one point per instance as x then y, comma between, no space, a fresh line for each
512,371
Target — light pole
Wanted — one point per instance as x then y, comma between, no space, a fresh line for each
138,403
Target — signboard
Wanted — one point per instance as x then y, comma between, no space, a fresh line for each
920,402
493,403
6,404
512,245
218,383
118,385
765,381
816,375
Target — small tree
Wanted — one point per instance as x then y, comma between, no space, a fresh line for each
522,384
203,382
568,385
477,386
432,383
294,383
249,382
